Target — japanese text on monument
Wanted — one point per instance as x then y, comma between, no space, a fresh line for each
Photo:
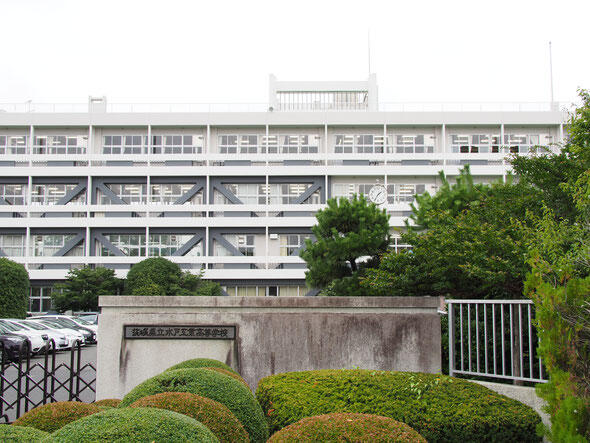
182,332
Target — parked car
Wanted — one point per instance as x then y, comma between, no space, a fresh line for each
12,345
90,317
66,322
38,341
71,334
59,338
67,318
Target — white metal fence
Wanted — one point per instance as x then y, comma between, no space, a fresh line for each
494,339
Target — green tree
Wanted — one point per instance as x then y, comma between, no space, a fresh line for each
82,287
450,198
555,174
160,276
348,235
14,289
475,252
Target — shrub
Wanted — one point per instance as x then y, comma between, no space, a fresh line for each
218,387
214,415
134,424
230,374
347,427
439,407
112,402
53,416
201,363
21,434
14,289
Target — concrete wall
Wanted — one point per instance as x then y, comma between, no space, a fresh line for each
274,335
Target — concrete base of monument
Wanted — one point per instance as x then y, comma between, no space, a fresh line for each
139,337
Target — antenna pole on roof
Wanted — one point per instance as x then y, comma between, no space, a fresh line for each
369,48
551,71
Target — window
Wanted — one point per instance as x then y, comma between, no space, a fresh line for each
13,245
242,242
348,190
290,243
475,143
124,144
130,193
177,144
165,245
40,298
228,144
290,144
60,144
169,193
13,144
403,193
47,245
413,144
522,143
50,194
131,245
289,193
13,194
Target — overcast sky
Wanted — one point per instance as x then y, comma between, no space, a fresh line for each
223,51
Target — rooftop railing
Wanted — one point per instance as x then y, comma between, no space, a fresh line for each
30,107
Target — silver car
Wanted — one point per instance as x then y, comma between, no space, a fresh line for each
38,340
72,336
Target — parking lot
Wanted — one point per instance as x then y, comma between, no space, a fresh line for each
36,382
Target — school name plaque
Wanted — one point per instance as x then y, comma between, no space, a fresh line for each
179,332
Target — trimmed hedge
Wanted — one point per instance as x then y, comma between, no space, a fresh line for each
230,374
201,363
112,402
337,427
439,407
214,415
19,434
14,289
134,424
226,390
52,416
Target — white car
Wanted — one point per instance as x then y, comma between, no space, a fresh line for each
71,335
59,338
38,340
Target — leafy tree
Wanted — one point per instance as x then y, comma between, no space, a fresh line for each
14,289
476,252
450,198
160,276
82,287
555,174
347,234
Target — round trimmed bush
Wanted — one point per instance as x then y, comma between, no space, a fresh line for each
214,415
230,374
226,390
53,416
201,363
439,407
134,424
347,427
112,402
21,434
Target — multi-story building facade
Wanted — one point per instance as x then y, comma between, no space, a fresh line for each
231,189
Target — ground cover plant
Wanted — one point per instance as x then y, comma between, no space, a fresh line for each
201,363
338,427
218,418
17,434
134,424
219,387
440,408
53,416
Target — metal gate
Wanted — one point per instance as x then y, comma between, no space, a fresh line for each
26,383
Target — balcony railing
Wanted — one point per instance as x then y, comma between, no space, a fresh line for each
28,107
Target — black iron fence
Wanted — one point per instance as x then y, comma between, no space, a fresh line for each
26,382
